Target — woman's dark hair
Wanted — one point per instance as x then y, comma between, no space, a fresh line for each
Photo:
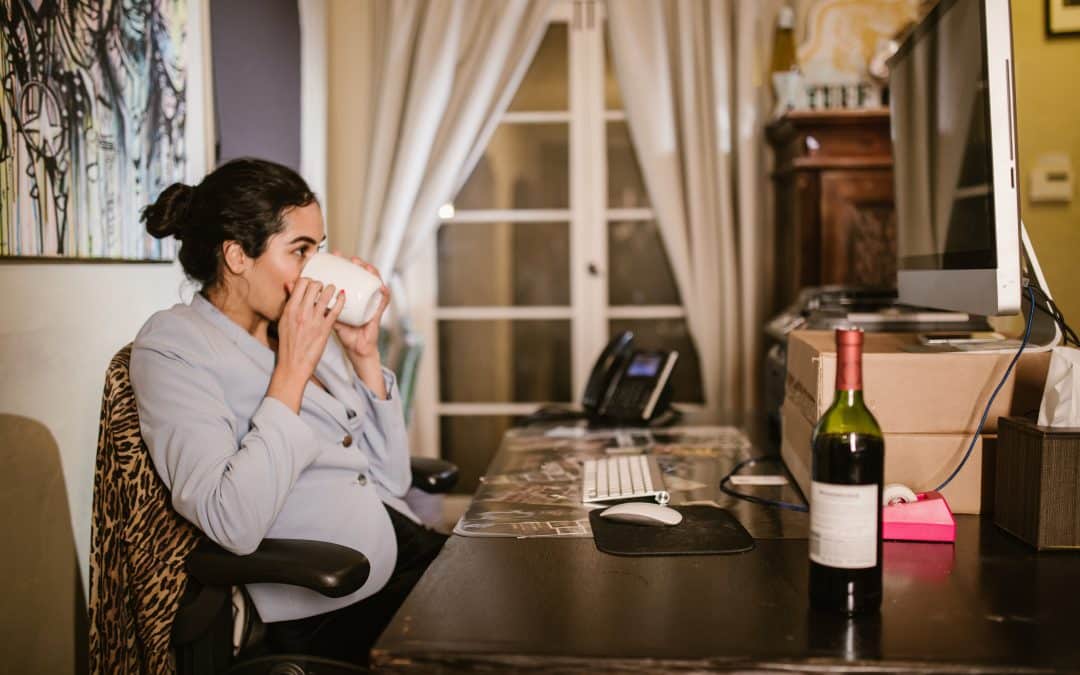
242,200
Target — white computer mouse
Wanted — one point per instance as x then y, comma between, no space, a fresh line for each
642,513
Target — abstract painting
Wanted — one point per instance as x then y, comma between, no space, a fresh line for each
91,124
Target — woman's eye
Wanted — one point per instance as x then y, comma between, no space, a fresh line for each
301,252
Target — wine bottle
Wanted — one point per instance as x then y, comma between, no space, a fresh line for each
847,474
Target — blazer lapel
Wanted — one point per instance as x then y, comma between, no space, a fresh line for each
341,390
323,399
263,357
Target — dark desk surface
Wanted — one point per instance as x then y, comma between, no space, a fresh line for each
986,604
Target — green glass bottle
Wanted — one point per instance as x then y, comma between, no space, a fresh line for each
847,478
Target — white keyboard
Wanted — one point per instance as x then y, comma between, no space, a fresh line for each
622,477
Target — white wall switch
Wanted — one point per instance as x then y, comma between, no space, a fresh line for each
1052,179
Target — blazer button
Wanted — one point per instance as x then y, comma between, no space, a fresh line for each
361,479
347,441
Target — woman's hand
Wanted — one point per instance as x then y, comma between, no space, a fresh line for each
361,343
303,329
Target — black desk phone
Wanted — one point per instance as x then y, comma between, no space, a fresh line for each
628,386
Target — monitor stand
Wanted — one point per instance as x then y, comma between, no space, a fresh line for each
1045,332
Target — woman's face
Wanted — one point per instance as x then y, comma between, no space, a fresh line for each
284,257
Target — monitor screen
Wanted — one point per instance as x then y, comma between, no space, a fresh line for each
944,177
952,126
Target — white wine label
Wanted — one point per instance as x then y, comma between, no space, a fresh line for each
844,525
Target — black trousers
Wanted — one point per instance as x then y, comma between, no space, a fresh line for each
349,633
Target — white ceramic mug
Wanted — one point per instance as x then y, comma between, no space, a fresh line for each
361,287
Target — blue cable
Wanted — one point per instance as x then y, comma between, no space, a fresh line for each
1004,379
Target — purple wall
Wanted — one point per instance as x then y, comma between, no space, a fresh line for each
256,61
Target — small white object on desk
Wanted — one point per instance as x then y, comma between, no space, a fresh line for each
642,513
895,493
566,432
751,479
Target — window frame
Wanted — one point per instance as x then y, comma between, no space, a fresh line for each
589,312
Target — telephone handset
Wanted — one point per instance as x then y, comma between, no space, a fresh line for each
629,386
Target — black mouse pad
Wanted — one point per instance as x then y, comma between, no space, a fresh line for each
704,530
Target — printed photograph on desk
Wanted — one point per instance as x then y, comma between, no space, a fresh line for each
712,438
537,494
685,473
506,521
545,466
545,469
531,442
697,450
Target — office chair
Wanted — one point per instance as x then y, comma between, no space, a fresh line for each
161,593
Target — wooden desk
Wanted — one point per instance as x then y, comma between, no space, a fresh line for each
987,604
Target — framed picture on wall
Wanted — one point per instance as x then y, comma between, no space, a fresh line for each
1062,18
92,117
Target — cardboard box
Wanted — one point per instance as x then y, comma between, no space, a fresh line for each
927,404
915,393
920,461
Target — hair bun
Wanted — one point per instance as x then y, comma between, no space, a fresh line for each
170,215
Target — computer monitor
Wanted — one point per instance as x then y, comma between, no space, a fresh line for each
952,105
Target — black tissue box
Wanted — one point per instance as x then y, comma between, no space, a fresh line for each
1037,483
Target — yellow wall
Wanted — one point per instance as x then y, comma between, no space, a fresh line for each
1048,102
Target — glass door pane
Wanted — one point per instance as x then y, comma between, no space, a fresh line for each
639,270
504,264
504,361
544,86
626,187
612,98
526,166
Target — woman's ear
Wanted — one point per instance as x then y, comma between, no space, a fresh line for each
236,261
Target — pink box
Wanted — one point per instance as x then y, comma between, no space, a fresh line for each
928,519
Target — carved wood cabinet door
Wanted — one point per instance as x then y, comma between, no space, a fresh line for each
835,216
858,234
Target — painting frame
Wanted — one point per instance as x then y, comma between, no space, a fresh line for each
91,135
1062,18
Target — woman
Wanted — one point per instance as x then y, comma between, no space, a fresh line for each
263,424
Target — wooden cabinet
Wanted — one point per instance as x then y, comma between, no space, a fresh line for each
835,220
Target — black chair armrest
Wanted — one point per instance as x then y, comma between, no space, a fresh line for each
433,475
330,569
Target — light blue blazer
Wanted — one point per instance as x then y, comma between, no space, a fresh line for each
242,466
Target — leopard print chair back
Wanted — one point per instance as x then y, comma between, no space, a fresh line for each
138,543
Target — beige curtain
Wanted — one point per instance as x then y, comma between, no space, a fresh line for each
692,75
439,74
